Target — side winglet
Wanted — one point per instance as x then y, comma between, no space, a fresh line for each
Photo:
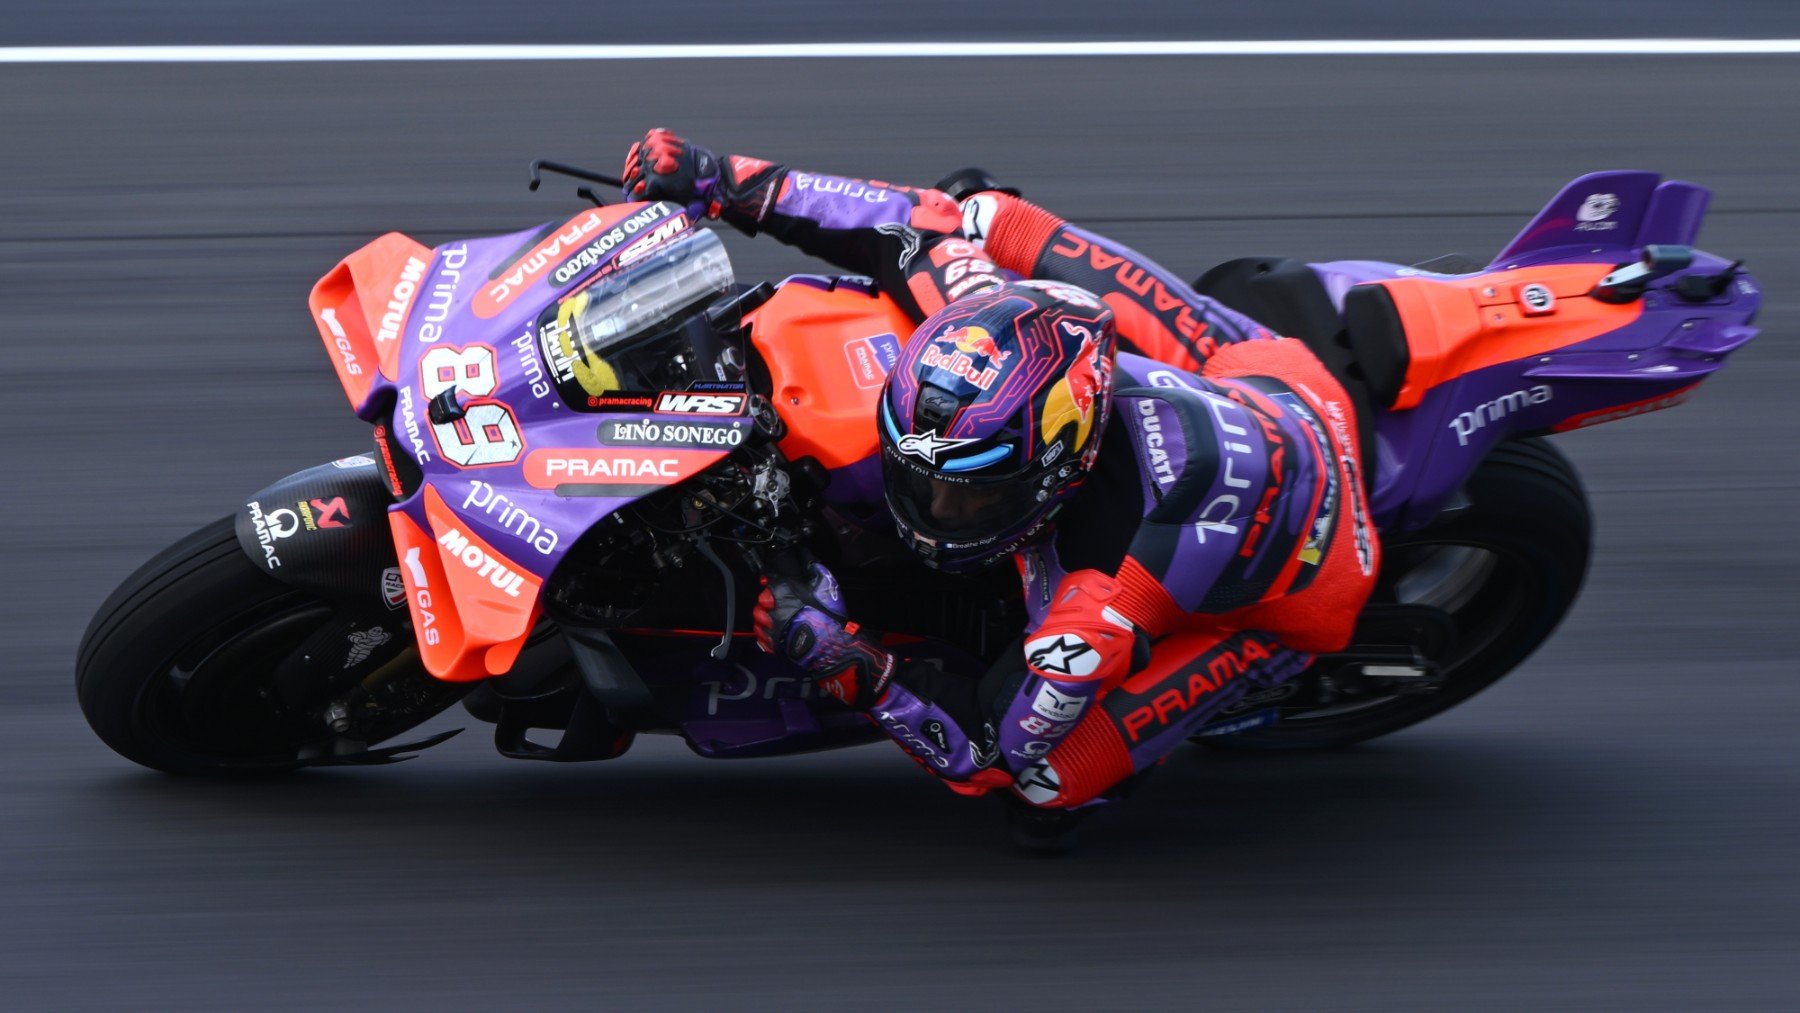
1601,209
360,307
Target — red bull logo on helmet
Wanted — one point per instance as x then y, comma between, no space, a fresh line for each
1072,399
969,343
975,341
1085,374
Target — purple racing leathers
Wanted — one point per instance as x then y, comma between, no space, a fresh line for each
1253,550
910,241
1223,538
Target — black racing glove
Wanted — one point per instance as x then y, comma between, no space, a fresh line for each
801,618
662,166
737,188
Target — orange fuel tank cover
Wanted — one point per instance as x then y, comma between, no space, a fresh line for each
828,351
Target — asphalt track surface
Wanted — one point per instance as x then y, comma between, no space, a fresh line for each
1612,827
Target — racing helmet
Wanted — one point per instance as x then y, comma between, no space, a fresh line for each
992,417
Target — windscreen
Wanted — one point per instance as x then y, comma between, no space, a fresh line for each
627,332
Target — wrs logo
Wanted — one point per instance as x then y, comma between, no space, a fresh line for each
701,404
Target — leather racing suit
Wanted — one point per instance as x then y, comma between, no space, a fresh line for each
1223,539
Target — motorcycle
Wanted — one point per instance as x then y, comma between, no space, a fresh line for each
591,437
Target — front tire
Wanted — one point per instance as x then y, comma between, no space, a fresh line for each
1501,573
202,663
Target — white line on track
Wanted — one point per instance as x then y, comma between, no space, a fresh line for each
878,50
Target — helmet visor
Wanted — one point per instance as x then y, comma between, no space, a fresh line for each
959,512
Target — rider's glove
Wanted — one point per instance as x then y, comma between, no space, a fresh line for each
737,188
802,620
662,166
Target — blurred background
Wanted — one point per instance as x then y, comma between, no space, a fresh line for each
1613,826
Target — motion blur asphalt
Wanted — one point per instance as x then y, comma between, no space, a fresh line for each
1612,827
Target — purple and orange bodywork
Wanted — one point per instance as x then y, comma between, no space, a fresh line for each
1532,344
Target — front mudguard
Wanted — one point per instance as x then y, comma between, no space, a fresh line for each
325,530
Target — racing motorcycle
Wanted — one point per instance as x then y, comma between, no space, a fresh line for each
590,437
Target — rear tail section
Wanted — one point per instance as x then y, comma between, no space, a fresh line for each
1599,310
1602,287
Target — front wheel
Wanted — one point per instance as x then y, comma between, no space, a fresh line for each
201,663
1491,582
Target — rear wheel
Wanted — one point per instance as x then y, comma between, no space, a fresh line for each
1476,592
201,663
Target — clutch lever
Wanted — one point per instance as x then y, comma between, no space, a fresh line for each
784,561
723,647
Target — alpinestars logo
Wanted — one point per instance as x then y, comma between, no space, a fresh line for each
929,445
1063,654
908,238
1039,783
978,218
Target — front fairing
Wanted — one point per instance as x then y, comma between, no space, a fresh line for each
505,490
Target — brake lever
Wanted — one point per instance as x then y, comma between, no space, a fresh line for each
543,165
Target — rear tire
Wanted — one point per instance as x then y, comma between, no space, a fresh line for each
202,663
1520,551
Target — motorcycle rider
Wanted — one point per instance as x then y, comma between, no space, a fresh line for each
1206,543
